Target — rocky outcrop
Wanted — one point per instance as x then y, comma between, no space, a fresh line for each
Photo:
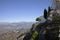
48,30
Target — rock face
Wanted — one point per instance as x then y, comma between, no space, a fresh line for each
56,4
48,30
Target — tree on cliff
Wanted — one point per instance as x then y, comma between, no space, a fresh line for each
45,13
49,9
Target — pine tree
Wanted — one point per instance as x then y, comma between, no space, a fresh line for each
49,9
45,13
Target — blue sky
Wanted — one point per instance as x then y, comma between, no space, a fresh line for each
22,10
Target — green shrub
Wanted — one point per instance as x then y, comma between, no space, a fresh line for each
38,19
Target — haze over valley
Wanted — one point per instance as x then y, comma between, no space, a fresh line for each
5,27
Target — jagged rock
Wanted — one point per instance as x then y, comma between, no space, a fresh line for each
48,30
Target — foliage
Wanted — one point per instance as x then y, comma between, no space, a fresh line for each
35,34
49,9
56,18
38,19
45,13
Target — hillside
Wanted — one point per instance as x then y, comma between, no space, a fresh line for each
10,31
9,36
12,35
6,27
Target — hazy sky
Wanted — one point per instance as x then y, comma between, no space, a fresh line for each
22,10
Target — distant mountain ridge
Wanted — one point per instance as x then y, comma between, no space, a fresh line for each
19,24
